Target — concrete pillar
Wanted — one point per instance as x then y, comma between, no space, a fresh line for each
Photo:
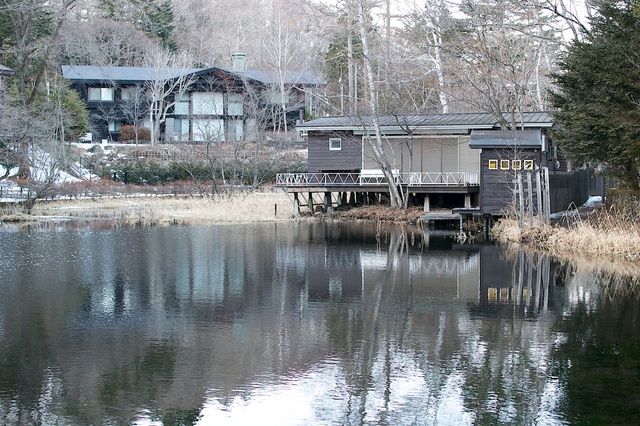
311,203
427,207
467,201
296,204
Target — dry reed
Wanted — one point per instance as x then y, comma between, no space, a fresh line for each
260,206
601,235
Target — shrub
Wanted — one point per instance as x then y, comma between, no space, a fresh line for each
128,133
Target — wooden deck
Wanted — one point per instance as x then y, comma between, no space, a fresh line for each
369,179
324,191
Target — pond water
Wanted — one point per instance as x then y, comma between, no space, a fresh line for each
307,324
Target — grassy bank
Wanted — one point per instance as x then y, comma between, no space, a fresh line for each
602,235
257,206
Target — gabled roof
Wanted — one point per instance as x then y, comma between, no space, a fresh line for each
426,123
300,78
123,75
95,74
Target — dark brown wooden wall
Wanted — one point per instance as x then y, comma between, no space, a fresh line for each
496,194
496,191
321,159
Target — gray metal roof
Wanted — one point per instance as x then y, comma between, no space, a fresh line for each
426,123
6,71
529,138
301,78
90,73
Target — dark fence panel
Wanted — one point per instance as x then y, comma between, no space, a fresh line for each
573,188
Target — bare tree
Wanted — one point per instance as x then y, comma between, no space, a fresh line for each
135,107
498,47
375,141
422,33
574,14
171,77
97,41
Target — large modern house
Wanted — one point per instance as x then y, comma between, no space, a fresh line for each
440,161
203,104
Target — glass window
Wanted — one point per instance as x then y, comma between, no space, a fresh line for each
235,106
208,130
94,93
100,94
106,94
125,93
114,126
335,144
493,164
516,164
504,164
235,130
208,103
182,106
181,129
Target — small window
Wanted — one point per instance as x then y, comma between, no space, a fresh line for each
528,164
335,144
125,94
504,164
100,94
114,126
493,164
516,165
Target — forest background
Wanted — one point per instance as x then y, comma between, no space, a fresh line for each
380,57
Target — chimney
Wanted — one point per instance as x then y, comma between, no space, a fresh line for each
238,62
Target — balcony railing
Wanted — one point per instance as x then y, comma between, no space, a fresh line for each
374,177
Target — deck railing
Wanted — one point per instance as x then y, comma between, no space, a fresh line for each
350,179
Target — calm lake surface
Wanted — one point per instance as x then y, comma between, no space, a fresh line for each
307,324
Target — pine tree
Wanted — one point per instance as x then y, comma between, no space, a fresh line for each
599,93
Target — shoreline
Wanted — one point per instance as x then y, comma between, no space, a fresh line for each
245,207
618,244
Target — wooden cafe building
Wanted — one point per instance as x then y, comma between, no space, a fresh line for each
455,163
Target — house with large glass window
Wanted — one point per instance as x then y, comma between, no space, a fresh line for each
198,105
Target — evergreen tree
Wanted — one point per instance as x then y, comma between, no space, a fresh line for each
599,93
154,17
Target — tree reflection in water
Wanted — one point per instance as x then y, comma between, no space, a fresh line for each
308,323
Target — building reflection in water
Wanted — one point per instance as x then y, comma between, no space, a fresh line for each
356,323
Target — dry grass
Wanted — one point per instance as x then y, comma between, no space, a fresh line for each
602,235
160,211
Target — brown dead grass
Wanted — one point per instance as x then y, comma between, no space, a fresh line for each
261,206
378,213
601,235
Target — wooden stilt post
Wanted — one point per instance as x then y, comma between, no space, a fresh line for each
530,198
521,201
539,195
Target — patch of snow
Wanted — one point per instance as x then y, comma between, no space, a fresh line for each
12,172
592,202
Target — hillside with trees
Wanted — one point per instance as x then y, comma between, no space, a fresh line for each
380,57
